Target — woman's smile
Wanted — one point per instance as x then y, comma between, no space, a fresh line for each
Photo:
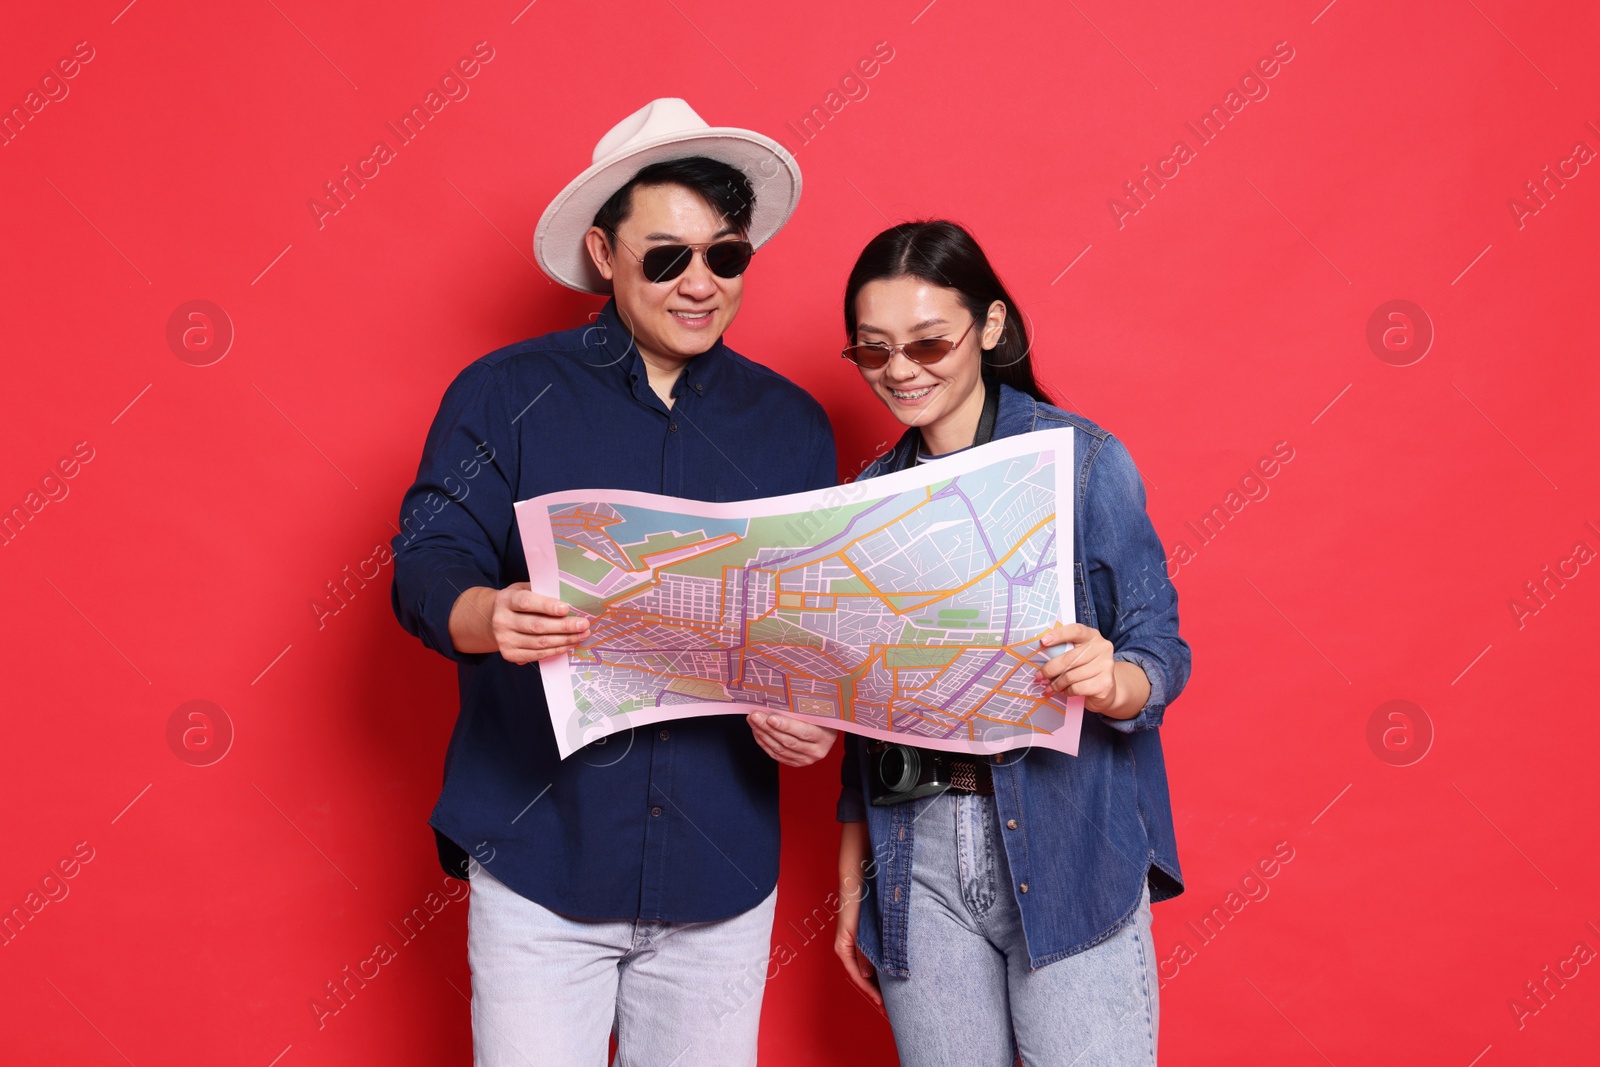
911,396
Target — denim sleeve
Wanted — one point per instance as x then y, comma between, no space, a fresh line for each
852,806
1125,557
457,517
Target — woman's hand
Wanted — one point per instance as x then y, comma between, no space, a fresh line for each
1111,687
853,850
792,742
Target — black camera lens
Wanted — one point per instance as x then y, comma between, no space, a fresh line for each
899,767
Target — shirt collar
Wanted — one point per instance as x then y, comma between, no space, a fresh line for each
699,373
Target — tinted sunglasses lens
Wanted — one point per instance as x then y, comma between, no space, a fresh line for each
728,259
869,356
930,351
665,262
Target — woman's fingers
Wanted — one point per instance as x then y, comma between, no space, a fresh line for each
1082,665
1074,633
857,967
1077,676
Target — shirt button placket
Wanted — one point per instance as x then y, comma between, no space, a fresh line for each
674,462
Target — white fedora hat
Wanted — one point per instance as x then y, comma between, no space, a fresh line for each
667,128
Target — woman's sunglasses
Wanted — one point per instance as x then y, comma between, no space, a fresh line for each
928,350
663,263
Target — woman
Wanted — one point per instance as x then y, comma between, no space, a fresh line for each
1010,914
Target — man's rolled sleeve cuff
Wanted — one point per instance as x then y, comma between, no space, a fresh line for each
852,806
1155,707
440,599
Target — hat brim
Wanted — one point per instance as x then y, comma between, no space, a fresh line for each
558,239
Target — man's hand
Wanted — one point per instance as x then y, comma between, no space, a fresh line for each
1088,669
792,742
516,622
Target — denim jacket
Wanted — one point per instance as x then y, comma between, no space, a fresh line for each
1082,833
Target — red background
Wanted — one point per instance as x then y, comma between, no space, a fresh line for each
1228,315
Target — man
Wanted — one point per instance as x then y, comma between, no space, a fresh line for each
629,888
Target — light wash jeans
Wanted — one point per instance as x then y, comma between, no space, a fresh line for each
971,1000
548,991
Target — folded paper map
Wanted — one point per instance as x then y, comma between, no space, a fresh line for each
907,607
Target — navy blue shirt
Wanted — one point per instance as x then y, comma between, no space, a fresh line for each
678,822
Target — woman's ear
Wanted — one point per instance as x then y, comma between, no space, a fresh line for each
994,326
599,251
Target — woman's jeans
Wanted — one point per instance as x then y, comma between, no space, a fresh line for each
971,1000
548,991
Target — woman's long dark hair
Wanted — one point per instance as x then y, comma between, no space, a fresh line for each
944,254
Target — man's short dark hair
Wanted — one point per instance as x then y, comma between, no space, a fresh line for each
724,187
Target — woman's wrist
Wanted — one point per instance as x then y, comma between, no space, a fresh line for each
853,850
1132,690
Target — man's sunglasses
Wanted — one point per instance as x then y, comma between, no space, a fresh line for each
663,263
928,350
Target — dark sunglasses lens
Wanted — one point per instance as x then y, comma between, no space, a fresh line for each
729,259
869,356
665,262
929,351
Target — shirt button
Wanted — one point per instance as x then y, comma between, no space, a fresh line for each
665,734
672,426
699,387
657,811
1023,887
1011,824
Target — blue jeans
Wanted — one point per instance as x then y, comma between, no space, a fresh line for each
548,991
971,1000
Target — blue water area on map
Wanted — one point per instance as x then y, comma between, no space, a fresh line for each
638,522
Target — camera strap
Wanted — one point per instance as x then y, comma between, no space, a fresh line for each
986,421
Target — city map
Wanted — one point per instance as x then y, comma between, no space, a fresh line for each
908,607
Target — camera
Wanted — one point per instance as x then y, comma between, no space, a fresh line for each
899,773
